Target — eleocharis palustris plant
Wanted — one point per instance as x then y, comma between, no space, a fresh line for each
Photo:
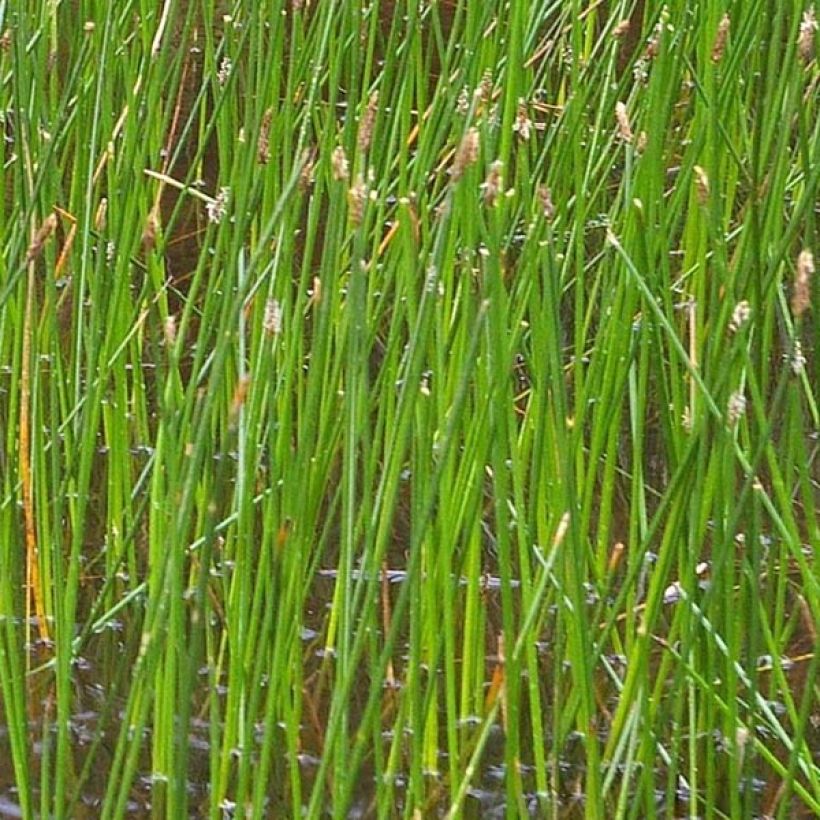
409,409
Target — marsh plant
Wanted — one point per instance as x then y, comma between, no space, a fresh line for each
409,409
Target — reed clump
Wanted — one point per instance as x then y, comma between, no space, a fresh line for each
399,401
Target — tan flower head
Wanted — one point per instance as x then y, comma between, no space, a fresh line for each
805,39
721,37
466,154
801,297
622,118
339,165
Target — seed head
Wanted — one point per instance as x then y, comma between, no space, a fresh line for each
463,101
149,233
493,184
545,201
308,167
169,329
653,45
622,118
486,87
805,39
224,70
721,37
621,30
100,216
735,408
356,199
272,320
367,122
218,206
523,123
798,359
466,154
740,315
339,165
801,298
263,144
43,233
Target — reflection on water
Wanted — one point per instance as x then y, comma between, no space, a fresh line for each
100,687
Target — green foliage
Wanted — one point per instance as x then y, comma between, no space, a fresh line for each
409,408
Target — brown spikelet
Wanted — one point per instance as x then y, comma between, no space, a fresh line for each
622,118
101,215
740,315
486,87
621,30
169,330
735,408
263,144
5,40
308,167
523,124
339,166
217,207
653,45
801,297
149,233
356,198
41,236
493,184
368,120
701,185
466,154
224,72
442,209
545,201
272,319
719,46
805,39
